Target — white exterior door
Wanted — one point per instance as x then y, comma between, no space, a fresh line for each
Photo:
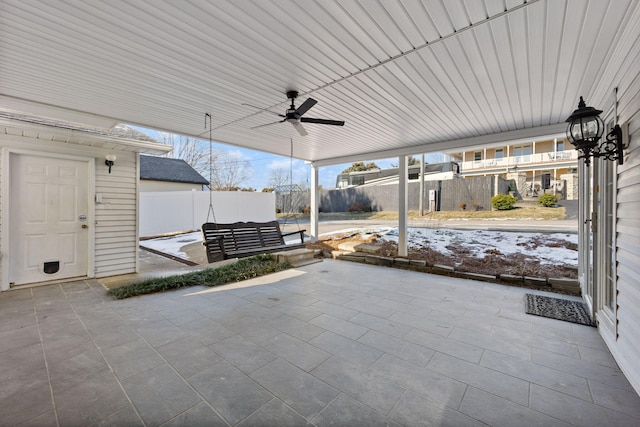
48,219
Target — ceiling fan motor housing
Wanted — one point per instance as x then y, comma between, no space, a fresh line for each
294,115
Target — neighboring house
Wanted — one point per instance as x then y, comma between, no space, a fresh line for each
166,174
432,172
64,212
536,167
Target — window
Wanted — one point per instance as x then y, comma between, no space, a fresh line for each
343,181
499,153
560,146
477,156
358,180
523,153
546,181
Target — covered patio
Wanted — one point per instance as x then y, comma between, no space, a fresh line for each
331,343
320,345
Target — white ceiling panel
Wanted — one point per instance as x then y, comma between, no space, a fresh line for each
405,75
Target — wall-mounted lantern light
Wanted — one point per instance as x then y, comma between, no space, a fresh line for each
110,160
585,130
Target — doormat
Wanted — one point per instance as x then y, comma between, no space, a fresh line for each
556,308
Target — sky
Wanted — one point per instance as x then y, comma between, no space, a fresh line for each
263,164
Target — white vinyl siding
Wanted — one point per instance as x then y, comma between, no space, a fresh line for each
1,213
622,73
627,345
116,244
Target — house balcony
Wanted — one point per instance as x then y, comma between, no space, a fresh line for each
547,160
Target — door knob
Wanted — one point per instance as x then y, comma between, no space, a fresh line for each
85,226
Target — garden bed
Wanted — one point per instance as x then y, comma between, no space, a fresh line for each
521,255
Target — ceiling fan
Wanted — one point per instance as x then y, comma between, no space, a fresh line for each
294,115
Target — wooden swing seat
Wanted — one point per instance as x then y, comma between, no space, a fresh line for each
243,239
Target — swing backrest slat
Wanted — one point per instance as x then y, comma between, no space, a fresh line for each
240,238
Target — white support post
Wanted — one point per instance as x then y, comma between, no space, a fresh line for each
314,201
421,195
403,214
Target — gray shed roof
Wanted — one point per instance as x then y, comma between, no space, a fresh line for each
171,170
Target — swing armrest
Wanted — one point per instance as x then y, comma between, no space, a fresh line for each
216,239
301,232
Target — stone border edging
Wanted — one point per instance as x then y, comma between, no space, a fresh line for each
562,285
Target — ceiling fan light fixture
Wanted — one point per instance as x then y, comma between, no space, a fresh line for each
294,115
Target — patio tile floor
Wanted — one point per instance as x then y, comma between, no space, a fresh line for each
334,343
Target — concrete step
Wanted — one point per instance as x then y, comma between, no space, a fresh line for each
358,247
297,257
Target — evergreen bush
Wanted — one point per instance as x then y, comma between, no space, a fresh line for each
503,202
548,200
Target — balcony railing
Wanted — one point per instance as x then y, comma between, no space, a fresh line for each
527,159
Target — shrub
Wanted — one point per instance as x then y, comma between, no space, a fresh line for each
503,202
462,206
243,269
548,200
359,207
356,207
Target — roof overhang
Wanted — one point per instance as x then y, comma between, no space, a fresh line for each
406,76
70,134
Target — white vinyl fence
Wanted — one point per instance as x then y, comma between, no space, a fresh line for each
172,211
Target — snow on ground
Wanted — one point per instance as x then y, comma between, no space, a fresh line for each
172,244
548,248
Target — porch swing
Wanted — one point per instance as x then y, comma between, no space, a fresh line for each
240,239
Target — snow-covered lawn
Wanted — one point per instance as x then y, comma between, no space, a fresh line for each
547,248
171,245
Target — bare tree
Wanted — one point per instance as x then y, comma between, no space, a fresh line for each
229,172
226,171
192,151
279,177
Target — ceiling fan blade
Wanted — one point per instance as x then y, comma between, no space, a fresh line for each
306,105
299,128
263,109
322,121
268,124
